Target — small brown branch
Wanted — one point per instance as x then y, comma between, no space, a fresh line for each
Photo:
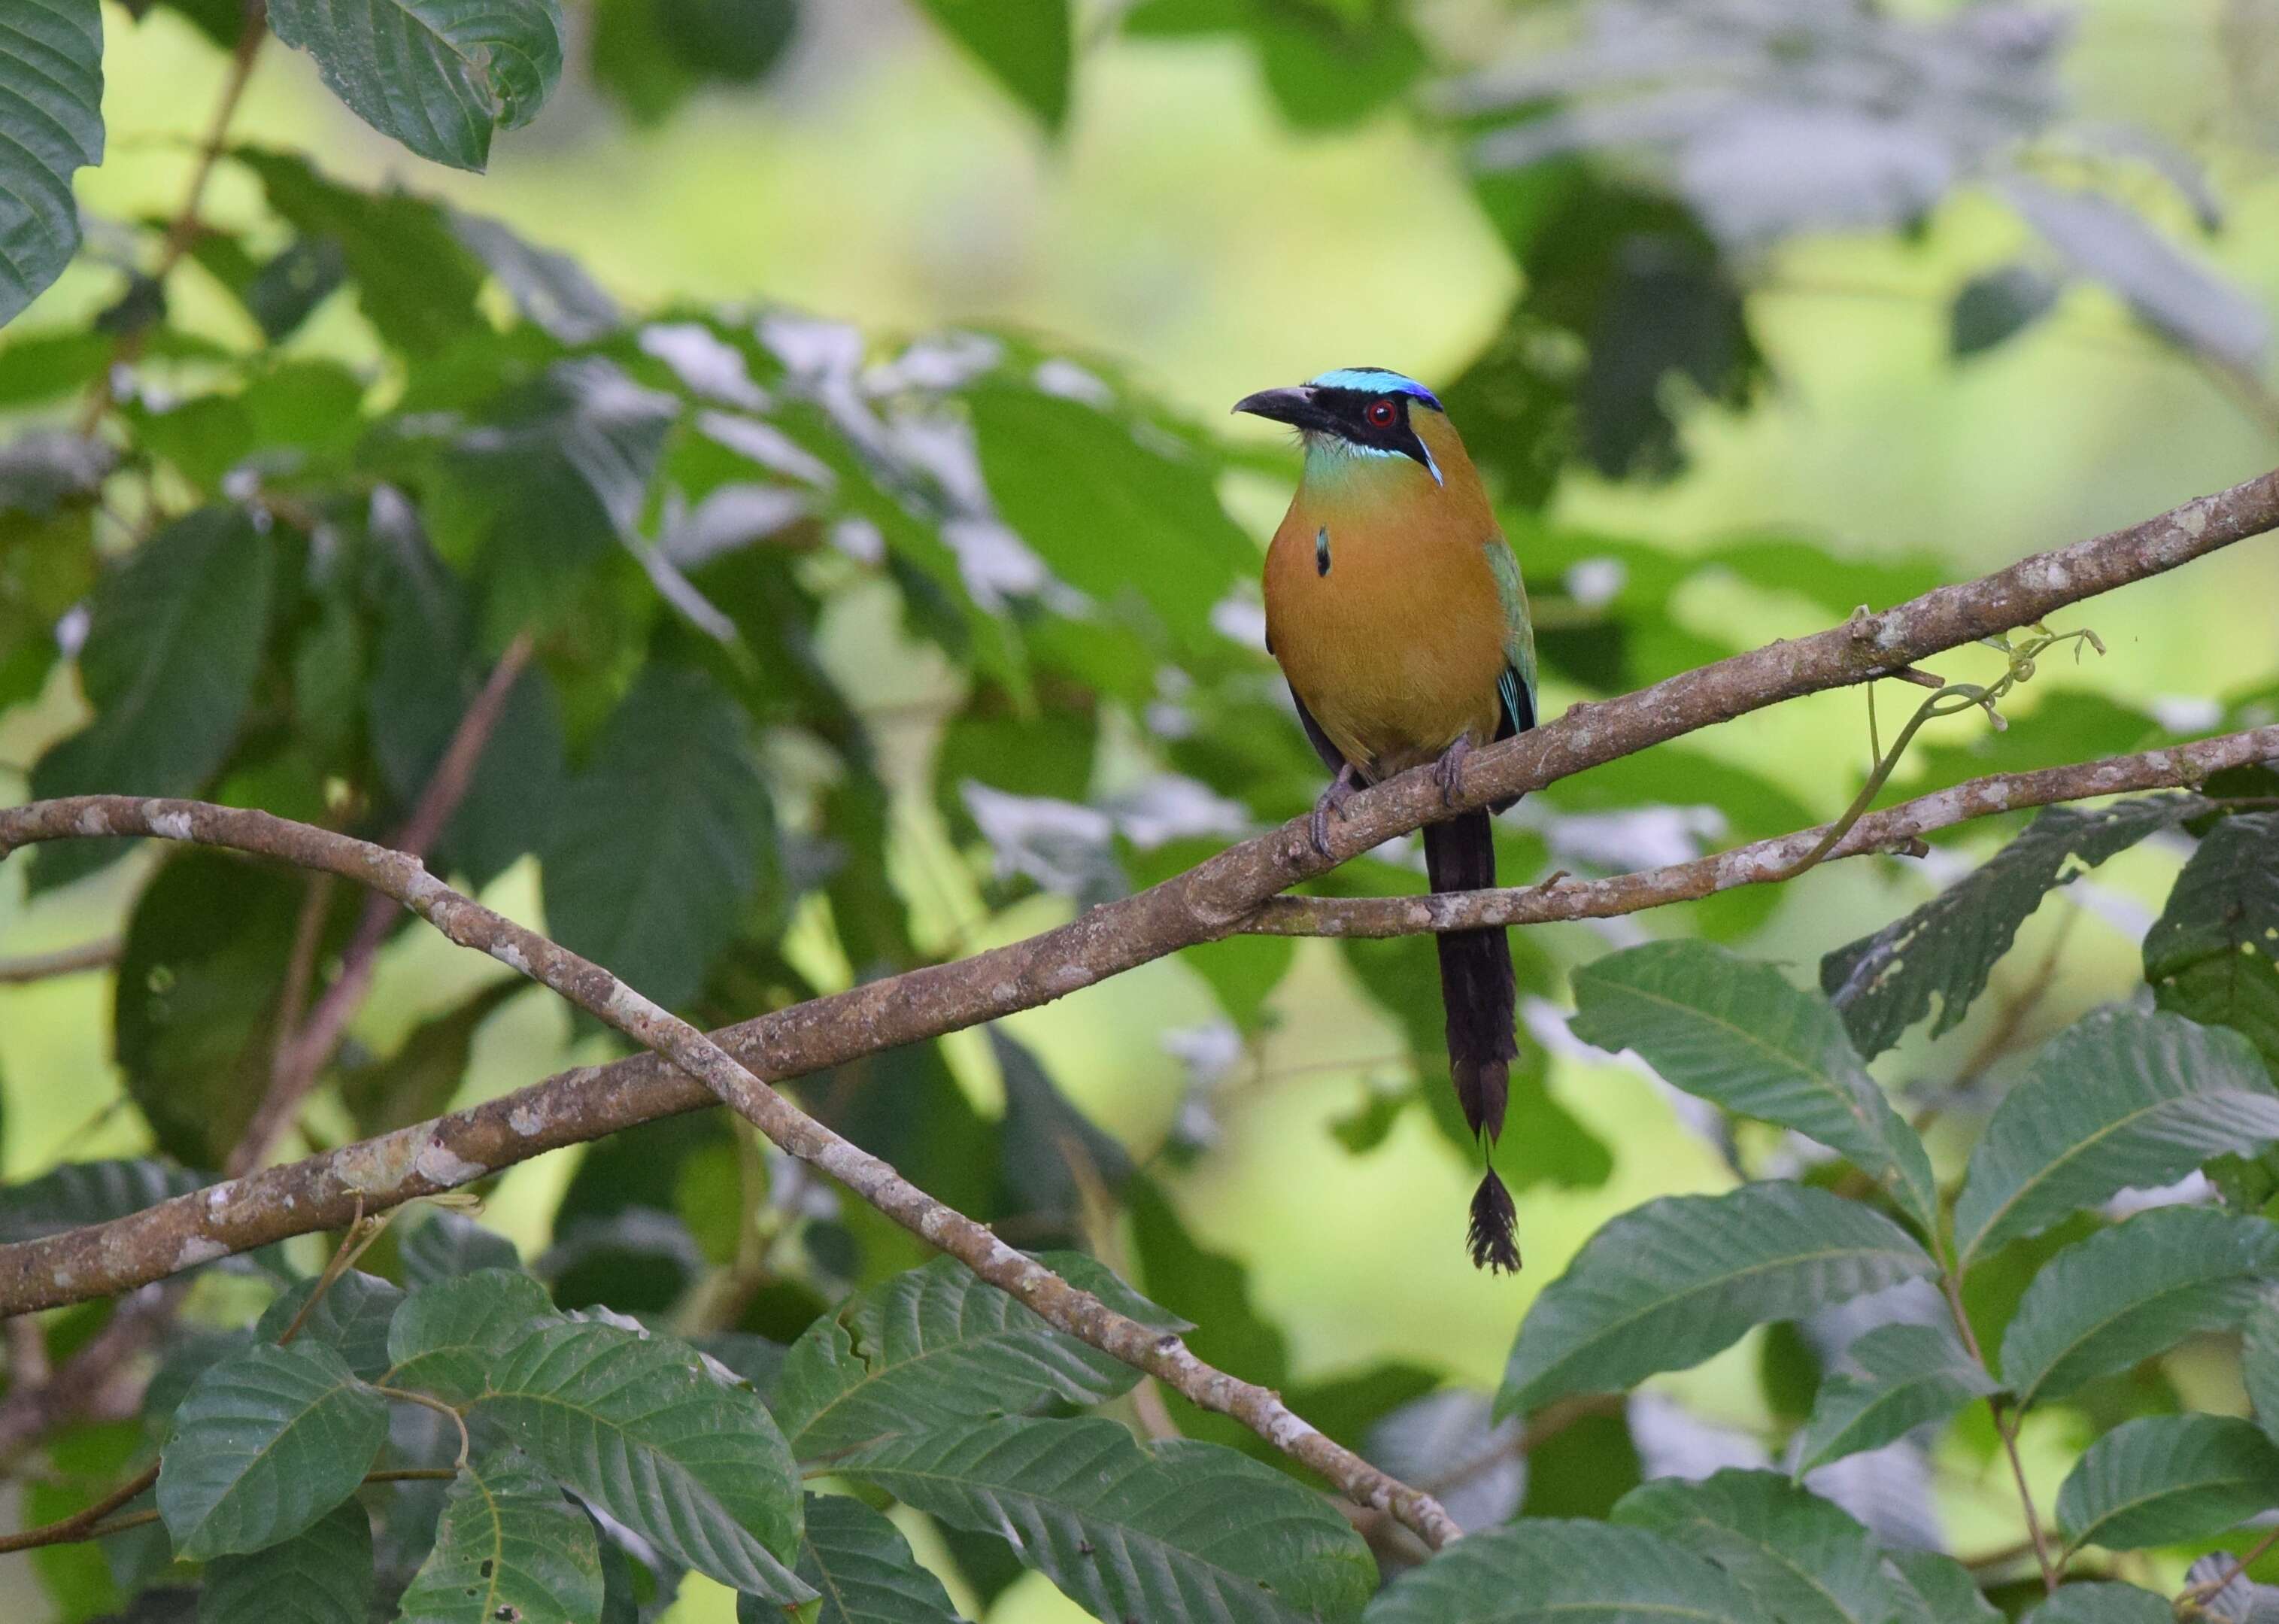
65,961
80,1524
1764,861
305,1047
1080,1315
2208,1588
29,1414
2006,1423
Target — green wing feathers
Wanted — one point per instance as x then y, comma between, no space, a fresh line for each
1518,683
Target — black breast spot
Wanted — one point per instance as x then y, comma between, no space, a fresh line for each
1322,550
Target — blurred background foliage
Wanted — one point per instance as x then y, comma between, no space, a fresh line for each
832,394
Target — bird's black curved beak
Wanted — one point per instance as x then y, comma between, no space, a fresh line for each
1294,407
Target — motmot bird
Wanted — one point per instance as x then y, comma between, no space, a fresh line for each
1395,607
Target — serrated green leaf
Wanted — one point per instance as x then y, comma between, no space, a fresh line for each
2134,1291
440,76
660,846
450,1244
2117,1100
1550,1571
173,641
508,1546
2213,954
1939,1591
1906,1375
1028,46
445,1336
84,1193
51,109
934,1347
352,1318
862,1569
263,1446
2162,1479
1805,1560
1666,1285
639,1428
1179,1534
2102,1603
1738,1034
322,1575
1946,949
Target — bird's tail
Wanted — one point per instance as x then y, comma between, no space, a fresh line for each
1477,989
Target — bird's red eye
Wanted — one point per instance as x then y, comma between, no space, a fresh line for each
1380,414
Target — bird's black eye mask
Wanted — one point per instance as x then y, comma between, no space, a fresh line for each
1374,423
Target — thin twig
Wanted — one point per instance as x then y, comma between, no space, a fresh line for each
2208,1588
428,1401
2006,1423
65,961
80,1526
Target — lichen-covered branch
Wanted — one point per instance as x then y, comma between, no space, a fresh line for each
1894,828
1161,1355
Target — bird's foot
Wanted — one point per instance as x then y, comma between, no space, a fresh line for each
1332,804
1448,771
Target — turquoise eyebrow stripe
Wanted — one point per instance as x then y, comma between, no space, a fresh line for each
1375,379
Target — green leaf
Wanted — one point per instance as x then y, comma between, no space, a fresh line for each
934,1347
862,1569
52,112
1805,1560
1064,474
2162,1479
322,1575
650,55
352,1319
1994,308
1948,947
2213,954
1176,1534
2259,1363
659,849
2102,1603
450,1243
172,644
639,1428
263,1446
548,287
1906,1375
84,1193
2134,1291
508,1546
1028,46
420,1078
1551,1570
2118,1100
440,76
1940,1590
1052,1151
1737,1033
448,1333
1666,1285
415,282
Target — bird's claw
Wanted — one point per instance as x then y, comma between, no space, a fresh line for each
1331,804
1448,771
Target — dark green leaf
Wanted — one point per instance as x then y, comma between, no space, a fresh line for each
1177,1534
448,1332
263,1446
936,1346
1940,1590
1546,1571
2102,1603
1804,1560
2117,1100
1996,307
665,836
1947,948
1664,1286
1027,45
2162,1479
2259,1363
509,1546
84,1193
549,287
172,645
650,55
450,1243
284,293
2134,1291
440,76
639,1428
862,1567
51,109
1053,1152
1739,1034
352,1319
1905,1376
322,1575
420,1079
2213,954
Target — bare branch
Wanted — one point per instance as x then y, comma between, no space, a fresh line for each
1766,861
64,962
1161,1355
